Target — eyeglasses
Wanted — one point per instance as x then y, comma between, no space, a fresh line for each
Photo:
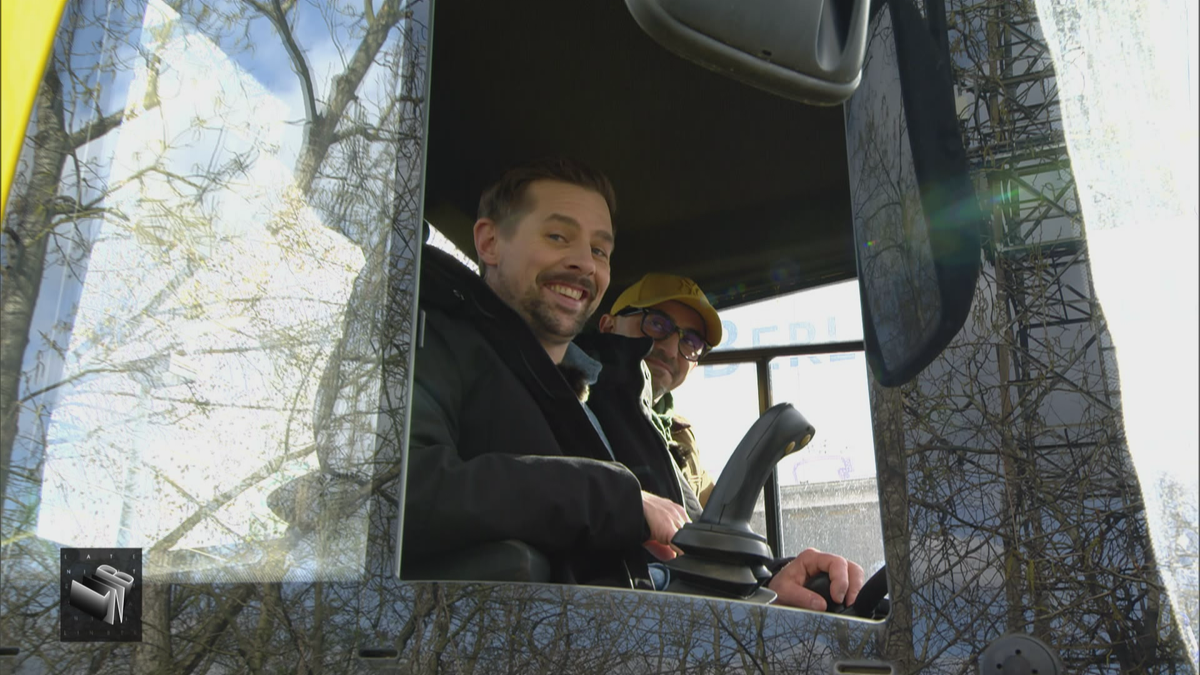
660,326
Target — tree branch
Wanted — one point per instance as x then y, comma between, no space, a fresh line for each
96,129
222,499
372,133
213,628
278,18
347,83
106,123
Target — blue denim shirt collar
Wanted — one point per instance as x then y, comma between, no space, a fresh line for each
579,359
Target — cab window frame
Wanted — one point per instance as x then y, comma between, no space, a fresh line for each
761,358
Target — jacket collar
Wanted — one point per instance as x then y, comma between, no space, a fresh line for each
450,287
666,408
454,288
578,359
618,353
625,372
665,405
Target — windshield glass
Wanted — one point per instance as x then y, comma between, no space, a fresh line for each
211,277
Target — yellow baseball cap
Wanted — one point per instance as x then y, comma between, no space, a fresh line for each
655,288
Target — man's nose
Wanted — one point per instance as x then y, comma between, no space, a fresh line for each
580,258
670,345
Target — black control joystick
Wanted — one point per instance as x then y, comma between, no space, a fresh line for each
724,557
819,584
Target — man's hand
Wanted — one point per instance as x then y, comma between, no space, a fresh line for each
845,580
663,553
665,517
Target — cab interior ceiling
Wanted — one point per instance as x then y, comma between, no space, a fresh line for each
743,191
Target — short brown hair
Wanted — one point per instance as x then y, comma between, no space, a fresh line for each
507,199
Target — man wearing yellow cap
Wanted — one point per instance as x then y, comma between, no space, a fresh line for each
684,325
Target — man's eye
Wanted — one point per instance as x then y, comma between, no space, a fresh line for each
600,253
693,340
660,324
555,237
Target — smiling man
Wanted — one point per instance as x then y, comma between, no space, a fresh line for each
502,444
505,443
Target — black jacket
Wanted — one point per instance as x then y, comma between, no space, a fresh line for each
500,447
621,399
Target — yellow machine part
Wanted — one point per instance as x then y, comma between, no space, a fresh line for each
27,29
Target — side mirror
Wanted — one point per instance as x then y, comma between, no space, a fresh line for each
807,50
917,219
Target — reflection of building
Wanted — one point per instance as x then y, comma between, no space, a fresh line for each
192,369
838,516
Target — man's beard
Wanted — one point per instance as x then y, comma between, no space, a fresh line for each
545,320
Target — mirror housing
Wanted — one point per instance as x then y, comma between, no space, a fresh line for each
917,218
807,50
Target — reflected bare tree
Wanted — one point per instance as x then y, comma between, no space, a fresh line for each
1014,506
70,193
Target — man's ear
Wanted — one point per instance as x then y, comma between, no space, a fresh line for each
487,236
608,323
